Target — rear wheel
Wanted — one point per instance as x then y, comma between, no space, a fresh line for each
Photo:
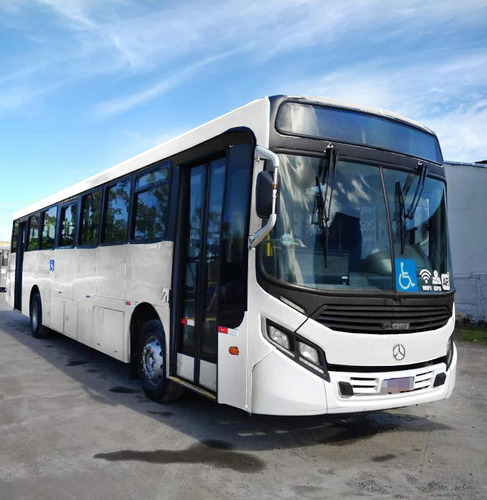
151,364
38,331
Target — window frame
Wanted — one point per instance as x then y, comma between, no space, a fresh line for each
105,188
61,206
133,219
41,227
27,249
79,241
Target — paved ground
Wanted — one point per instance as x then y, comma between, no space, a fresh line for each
73,426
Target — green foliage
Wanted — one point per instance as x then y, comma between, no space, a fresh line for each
476,334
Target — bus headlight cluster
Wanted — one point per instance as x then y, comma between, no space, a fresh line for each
301,350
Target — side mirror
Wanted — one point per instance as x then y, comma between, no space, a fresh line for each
266,193
263,195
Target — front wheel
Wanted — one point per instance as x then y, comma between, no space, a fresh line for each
151,364
38,331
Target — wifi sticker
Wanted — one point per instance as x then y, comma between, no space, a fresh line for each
425,275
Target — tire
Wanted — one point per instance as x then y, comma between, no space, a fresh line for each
35,314
151,364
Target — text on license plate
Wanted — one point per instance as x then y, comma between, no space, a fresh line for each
395,385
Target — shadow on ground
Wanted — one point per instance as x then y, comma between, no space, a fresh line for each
220,430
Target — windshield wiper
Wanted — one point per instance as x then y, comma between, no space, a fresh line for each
324,199
399,195
409,214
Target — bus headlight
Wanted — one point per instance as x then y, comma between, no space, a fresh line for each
308,353
280,338
449,352
299,349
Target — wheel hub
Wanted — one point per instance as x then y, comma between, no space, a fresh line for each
153,361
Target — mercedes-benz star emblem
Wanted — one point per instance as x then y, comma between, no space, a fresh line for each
399,351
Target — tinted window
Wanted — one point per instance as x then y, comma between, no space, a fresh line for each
48,237
150,204
234,236
116,212
90,218
34,223
67,225
357,128
15,236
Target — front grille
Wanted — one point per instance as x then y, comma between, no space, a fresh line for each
371,386
383,319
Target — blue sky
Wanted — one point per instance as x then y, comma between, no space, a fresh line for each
85,84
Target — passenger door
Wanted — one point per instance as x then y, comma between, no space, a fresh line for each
19,264
211,285
197,346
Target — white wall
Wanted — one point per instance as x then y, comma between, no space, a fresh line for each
467,211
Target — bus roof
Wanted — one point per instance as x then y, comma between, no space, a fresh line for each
251,115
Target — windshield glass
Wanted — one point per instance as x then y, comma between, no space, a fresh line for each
358,254
422,238
338,238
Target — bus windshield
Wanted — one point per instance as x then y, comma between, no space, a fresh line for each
349,246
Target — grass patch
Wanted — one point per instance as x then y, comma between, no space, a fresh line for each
477,335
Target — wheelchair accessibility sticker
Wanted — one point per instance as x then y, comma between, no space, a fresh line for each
406,275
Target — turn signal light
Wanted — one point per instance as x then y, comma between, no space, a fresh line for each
233,350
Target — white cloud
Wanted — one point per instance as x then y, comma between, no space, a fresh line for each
447,95
129,40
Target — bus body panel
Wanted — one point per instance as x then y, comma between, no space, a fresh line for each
232,382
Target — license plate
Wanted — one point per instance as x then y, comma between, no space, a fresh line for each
395,385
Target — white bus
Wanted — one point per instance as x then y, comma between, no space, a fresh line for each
289,258
4,251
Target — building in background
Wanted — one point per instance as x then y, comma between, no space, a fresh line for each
467,211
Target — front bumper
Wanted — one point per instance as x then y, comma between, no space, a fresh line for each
282,387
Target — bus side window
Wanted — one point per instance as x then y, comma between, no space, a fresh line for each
67,226
90,218
15,236
115,217
48,237
33,234
150,205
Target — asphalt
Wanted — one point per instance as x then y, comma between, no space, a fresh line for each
74,426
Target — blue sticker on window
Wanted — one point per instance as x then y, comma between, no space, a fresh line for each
51,265
406,275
